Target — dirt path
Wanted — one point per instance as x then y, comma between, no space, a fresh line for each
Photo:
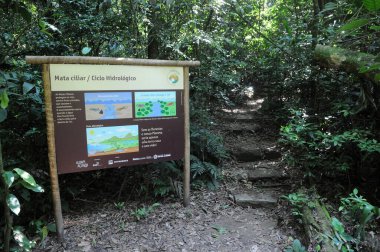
242,215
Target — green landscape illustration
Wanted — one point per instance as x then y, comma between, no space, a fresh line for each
155,104
112,140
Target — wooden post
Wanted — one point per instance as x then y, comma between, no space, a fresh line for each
186,167
52,157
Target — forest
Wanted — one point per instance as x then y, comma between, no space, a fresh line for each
284,127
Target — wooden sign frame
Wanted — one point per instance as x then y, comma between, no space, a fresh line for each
46,61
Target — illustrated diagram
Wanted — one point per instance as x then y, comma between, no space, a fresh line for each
112,140
155,104
108,105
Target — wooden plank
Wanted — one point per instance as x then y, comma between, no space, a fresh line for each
52,155
186,168
106,61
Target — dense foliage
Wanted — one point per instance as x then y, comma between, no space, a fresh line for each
330,117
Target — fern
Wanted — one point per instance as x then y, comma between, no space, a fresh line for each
372,5
212,170
207,145
197,167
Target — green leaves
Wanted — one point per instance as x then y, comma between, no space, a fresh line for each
22,240
3,114
86,50
372,5
373,67
35,188
4,100
27,87
375,27
354,24
355,191
358,210
27,181
9,178
296,247
329,6
25,176
13,203
337,225
44,26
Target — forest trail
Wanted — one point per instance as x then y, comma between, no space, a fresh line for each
242,215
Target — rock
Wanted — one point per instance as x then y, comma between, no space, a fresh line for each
252,154
244,154
265,164
242,117
264,173
240,128
255,199
262,170
271,154
372,241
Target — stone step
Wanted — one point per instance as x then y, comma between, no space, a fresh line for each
249,154
241,117
269,184
263,173
243,128
256,199
263,170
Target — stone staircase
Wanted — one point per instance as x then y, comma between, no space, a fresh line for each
259,160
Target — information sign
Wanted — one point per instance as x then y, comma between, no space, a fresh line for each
113,112
116,115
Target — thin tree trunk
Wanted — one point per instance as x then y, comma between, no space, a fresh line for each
153,43
314,26
7,213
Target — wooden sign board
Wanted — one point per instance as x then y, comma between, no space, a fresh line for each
112,112
116,115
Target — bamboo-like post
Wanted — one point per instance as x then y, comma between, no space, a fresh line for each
52,155
186,167
107,61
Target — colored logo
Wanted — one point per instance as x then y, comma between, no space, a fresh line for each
173,77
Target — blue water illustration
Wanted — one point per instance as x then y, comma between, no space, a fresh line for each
109,112
105,105
156,110
94,148
108,98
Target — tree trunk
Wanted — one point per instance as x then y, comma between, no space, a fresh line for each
7,213
347,60
317,224
153,43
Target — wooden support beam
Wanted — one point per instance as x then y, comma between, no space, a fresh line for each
106,61
186,168
56,198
